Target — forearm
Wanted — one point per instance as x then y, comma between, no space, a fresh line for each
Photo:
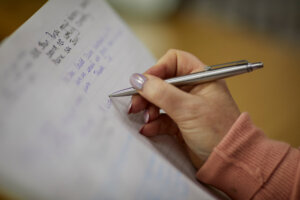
246,165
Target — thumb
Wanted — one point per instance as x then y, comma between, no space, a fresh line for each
159,92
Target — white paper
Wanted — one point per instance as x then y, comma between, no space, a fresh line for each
61,137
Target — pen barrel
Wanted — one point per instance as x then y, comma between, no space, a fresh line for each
210,75
201,77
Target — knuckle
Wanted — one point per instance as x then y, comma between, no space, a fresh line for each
172,51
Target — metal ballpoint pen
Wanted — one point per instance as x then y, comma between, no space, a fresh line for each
210,73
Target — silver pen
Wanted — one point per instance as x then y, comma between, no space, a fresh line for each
210,73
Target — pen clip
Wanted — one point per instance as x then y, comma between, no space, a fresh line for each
229,64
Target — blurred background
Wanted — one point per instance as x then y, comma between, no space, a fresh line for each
218,31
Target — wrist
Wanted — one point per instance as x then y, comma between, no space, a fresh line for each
243,161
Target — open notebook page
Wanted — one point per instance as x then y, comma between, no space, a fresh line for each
61,137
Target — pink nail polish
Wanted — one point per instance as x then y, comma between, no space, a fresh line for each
129,108
137,80
146,116
141,130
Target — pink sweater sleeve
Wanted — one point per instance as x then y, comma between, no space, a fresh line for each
248,165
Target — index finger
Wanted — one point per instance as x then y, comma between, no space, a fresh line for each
176,63
173,63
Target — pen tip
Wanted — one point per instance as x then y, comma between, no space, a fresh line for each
115,94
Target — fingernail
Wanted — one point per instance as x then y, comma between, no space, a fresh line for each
141,130
137,81
129,108
146,116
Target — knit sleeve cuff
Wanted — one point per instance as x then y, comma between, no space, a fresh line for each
243,161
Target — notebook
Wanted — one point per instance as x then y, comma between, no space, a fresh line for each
61,136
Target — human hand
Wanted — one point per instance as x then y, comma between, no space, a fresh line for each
200,115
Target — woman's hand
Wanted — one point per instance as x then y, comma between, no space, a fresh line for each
201,115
